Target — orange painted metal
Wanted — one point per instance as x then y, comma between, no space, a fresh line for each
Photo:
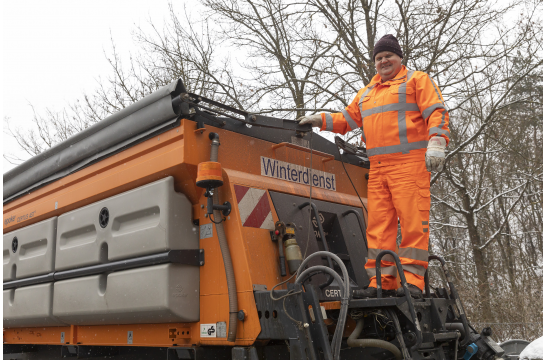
38,336
331,305
177,153
207,171
302,148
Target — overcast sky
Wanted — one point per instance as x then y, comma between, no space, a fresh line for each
53,51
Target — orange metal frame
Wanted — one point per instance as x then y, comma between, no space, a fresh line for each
177,153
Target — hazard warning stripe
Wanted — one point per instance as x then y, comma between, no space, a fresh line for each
240,191
254,208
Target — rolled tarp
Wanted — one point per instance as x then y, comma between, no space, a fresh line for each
144,116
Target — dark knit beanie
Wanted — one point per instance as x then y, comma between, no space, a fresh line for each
387,43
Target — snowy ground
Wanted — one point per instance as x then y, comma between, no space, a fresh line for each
533,351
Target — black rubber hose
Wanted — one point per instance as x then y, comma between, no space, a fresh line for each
225,252
345,298
323,268
353,341
399,335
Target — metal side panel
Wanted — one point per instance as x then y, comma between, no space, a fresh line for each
29,306
155,294
30,251
147,220
343,234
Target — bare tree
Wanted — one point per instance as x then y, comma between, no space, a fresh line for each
184,48
487,197
289,58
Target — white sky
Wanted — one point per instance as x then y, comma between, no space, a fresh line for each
53,51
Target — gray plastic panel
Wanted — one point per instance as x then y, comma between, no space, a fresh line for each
29,306
150,219
154,294
35,253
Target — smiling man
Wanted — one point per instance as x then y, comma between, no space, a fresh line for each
404,124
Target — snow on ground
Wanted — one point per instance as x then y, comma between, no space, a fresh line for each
533,351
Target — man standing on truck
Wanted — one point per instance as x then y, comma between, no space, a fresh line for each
404,123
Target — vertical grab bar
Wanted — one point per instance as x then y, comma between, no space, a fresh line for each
360,221
322,236
453,292
405,289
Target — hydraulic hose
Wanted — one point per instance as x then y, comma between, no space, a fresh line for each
353,341
225,252
345,297
214,147
405,352
319,268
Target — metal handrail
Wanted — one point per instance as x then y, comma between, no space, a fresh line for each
453,292
322,236
360,221
405,289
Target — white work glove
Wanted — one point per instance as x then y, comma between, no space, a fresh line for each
314,120
435,155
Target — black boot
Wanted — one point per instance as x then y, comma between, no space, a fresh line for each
414,290
371,292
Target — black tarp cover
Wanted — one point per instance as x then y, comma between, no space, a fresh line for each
132,123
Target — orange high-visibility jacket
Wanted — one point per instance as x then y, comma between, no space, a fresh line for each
397,117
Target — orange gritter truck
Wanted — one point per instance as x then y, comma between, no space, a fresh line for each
182,228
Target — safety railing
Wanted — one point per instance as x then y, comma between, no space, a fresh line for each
322,237
405,290
453,293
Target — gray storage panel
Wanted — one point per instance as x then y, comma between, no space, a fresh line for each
29,306
35,251
155,294
150,219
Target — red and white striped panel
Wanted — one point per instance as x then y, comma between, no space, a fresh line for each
254,208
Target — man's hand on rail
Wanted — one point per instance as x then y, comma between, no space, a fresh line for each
315,120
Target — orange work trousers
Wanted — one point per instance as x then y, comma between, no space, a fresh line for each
398,192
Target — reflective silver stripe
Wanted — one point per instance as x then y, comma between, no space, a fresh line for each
402,129
403,88
328,122
361,110
373,253
401,118
387,270
434,130
442,119
390,107
426,113
397,148
351,123
437,91
414,269
413,253
365,93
